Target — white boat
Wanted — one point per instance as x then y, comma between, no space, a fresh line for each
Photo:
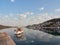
18,32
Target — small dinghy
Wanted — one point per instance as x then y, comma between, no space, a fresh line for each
18,32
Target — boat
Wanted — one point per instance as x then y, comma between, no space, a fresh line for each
18,32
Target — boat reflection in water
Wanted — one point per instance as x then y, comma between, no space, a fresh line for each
18,33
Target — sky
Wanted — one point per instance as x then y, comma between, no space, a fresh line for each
27,12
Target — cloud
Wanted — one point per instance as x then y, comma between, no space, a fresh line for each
42,8
15,20
57,10
6,16
12,0
25,15
39,18
37,35
44,36
22,15
29,13
26,19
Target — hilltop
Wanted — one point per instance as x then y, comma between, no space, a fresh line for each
51,26
4,27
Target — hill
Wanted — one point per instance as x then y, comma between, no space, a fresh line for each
51,26
4,27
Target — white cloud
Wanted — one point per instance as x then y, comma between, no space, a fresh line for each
22,20
25,15
22,15
11,14
57,10
44,36
39,35
42,8
6,16
12,0
29,13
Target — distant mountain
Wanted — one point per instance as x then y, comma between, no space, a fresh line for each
4,27
51,26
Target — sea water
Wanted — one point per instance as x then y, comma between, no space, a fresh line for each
33,37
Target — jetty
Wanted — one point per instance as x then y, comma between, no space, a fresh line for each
5,39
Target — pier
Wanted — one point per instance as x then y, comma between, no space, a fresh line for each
5,39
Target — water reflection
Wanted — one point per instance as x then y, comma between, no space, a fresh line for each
18,37
33,37
52,31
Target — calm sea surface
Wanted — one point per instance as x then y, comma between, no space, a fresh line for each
33,37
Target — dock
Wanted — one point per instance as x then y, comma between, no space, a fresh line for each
5,39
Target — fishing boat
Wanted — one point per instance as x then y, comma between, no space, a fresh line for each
18,32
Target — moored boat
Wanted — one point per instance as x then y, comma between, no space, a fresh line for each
18,32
